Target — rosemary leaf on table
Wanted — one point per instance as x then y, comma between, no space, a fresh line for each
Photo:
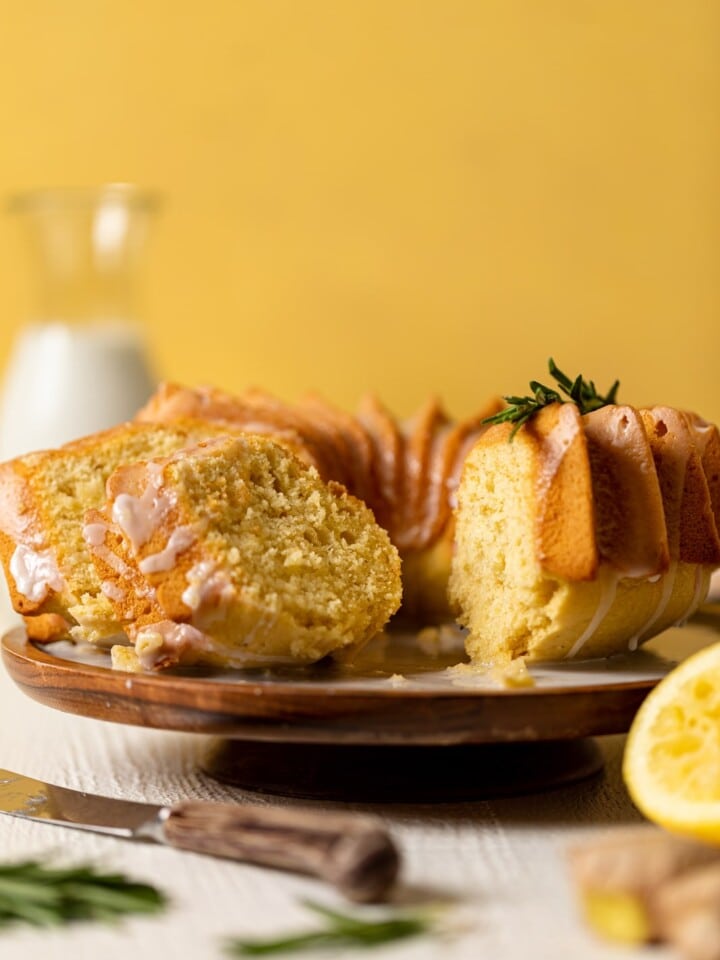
45,896
340,930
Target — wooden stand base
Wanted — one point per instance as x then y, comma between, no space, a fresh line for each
389,774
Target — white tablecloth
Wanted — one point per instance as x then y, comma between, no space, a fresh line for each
499,863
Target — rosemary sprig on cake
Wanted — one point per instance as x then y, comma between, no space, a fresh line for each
340,930
583,393
43,896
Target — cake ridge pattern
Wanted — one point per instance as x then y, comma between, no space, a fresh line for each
575,535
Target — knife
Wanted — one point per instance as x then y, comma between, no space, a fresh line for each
351,851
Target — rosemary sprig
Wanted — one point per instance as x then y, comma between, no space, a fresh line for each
581,392
50,896
340,930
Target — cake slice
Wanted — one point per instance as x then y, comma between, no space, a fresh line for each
583,535
43,499
234,552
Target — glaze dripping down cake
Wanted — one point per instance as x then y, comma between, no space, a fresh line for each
43,499
585,535
234,552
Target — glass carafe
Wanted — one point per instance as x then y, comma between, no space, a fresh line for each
80,363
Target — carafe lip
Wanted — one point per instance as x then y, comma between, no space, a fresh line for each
46,198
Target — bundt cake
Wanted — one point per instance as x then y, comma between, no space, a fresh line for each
43,499
230,530
582,535
234,552
405,472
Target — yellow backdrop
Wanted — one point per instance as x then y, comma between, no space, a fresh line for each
407,195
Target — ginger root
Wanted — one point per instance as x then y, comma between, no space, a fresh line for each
642,884
688,912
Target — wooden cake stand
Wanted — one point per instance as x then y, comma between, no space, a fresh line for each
394,726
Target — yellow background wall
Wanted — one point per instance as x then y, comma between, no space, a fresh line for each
409,196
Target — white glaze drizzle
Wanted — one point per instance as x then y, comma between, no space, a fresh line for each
165,643
139,517
115,562
165,639
112,591
94,534
207,587
698,596
677,473
620,423
35,572
701,432
664,599
180,539
558,442
609,591
265,622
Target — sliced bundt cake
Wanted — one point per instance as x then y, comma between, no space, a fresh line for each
234,552
582,535
406,472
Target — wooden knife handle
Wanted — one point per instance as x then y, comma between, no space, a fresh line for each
353,852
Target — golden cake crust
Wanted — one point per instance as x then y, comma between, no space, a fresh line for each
565,523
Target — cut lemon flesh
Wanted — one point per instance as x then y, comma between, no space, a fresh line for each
672,757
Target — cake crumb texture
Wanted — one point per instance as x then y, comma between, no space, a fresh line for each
279,564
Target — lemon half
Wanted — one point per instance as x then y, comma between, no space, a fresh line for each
672,757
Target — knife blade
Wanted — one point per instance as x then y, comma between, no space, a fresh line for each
352,851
